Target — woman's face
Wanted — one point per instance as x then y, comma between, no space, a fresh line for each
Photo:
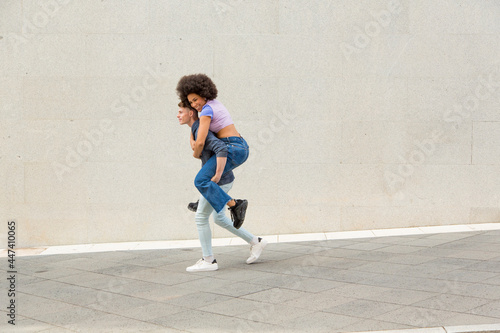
196,101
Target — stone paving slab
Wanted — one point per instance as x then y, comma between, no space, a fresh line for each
414,283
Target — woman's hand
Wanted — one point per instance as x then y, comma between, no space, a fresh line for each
216,178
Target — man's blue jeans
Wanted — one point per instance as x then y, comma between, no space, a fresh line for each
237,154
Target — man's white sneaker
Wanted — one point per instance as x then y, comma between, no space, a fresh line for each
256,250
203,266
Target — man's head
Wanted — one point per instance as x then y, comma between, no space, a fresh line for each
186,114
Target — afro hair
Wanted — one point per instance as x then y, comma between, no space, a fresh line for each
199,84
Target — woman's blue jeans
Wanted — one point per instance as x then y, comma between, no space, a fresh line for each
237,154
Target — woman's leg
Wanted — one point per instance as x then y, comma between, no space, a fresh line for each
238,152
208,189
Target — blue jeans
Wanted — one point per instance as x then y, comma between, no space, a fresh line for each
203,213
237,154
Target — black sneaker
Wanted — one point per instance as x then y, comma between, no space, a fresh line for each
193,206
238,212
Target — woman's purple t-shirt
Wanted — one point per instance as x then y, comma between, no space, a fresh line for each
219,114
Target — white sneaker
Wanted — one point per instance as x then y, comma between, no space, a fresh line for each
203,266
256,250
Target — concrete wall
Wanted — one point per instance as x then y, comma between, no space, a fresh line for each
360,114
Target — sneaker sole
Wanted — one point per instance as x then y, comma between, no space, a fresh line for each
208,269
254,259
238,225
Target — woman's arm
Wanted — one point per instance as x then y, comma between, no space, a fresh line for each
221,164
202,135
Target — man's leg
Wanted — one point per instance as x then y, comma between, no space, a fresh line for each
257,244
208,263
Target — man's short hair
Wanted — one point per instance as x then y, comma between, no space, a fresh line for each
183,105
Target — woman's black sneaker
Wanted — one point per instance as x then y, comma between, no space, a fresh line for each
238,212
193,206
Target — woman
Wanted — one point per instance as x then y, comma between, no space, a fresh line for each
200,92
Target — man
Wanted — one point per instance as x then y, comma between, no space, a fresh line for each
188,116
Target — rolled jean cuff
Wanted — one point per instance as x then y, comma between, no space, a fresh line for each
221,154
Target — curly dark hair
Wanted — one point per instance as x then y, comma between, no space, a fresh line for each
199,84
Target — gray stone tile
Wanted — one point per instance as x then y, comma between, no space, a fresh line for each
85,264
494,280
235,306
113,323
276,295
486,291
418,317
454,262
486,266
160,276
116,256
374,255
366,246
235,275
476,255
37,307
115,303
463,319
400,296
409,259
201,321
335,243
491,309
25,325
204,284
435,252
427,270
317,302
151,311
119,270
381,267
356,291
342,253
400,249
305,249
485,238
156,293
339,263
56,330
71,316
320,322
363,308
297,283
426,242
454,303
197,300
394,240
55,272
465,245
239,289
277,314
467,276
453,236
27,279
375,325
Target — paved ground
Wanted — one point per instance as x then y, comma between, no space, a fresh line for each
382,283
